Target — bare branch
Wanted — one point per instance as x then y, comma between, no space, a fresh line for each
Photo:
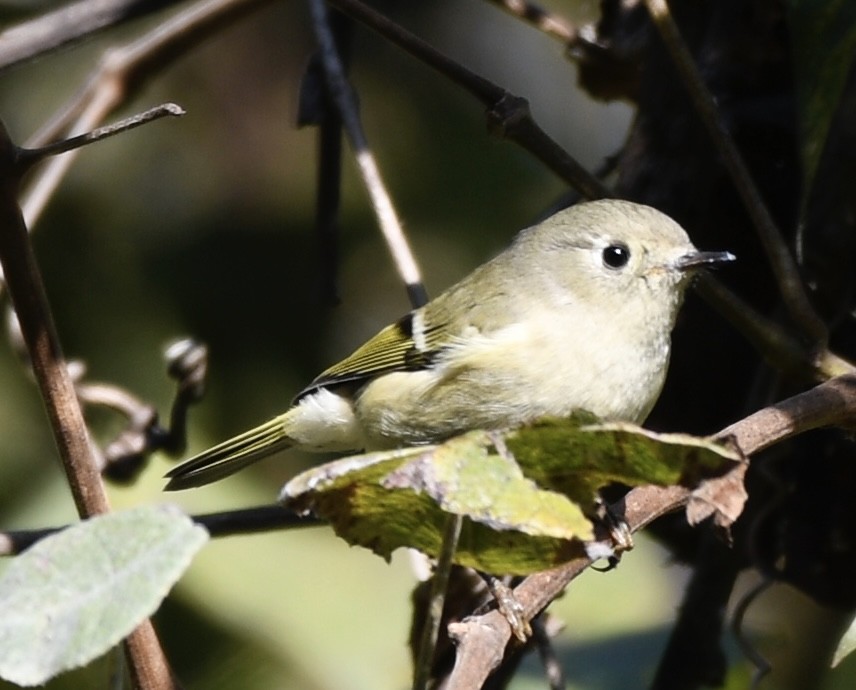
119,76
224,524
25,286
548,22
508,115
342,95
148,666
28,157
777,346
67,24
783,264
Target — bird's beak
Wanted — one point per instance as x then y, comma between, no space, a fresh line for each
695,260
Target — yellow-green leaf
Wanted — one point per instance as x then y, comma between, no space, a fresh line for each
523,494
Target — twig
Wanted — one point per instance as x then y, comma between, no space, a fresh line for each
71,23
548,22
549,659
28,297
224,524
142,434
762,666
782,263
832,403
148,666
436,603
508,115
27,157
779,347
342,95
316,108
119,76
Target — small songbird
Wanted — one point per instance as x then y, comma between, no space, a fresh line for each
576,314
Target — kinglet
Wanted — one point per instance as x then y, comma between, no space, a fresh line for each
576,314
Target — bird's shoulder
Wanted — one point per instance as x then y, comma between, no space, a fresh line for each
419,339
409,344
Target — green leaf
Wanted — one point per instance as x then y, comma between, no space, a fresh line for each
364,499
77,593
523,495
823,35
489,487
578,456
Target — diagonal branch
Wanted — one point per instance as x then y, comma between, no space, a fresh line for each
548,22
508,115
120,75
343,96
482,640
782,263
73,22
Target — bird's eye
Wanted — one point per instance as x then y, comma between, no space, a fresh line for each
616,256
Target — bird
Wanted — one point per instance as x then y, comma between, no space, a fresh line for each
576,314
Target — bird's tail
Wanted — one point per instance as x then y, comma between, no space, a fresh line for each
230,456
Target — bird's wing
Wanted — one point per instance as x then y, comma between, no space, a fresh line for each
410,344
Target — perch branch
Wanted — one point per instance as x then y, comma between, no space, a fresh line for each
481,640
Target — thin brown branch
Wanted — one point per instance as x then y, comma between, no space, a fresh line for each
782,263
508,115
26,290
832,403
148,665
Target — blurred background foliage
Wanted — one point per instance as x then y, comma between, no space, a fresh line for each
203,226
